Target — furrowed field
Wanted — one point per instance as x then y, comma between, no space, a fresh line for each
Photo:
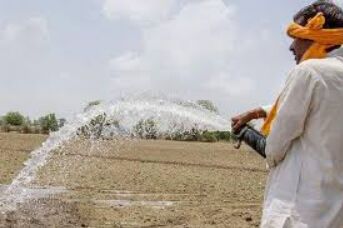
139,183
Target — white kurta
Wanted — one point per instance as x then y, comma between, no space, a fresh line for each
305,149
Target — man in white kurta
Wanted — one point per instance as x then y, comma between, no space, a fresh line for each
305,148
304,127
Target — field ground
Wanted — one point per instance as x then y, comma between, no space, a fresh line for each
137,184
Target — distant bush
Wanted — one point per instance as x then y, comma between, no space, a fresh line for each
146,129
26,129
222,135
48,123
200,136
208,137
94,128
14,119
101,127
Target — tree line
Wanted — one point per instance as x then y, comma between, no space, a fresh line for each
15,121
100,125
148,129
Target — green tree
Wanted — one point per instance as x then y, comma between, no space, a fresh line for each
48,123
14,119
207,104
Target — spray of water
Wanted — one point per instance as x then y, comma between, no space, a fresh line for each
124,118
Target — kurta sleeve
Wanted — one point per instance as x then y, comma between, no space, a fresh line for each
294,107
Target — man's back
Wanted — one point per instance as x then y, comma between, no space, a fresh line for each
326,109
308,183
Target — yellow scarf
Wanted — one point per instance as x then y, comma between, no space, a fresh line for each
323,40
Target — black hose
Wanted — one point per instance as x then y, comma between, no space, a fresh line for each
253,138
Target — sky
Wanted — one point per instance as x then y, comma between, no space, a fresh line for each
57,55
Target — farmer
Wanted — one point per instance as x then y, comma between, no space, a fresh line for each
304,127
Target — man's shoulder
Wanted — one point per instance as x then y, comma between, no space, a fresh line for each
315,68
304,70
310,64
319,65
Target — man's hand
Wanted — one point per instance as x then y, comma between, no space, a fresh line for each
237,122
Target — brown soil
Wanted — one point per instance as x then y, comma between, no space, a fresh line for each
14,151
140,184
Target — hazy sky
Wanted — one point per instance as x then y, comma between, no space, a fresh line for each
56,55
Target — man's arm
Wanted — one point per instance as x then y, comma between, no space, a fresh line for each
239,121
294,107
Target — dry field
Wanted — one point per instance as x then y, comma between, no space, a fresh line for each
138,184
